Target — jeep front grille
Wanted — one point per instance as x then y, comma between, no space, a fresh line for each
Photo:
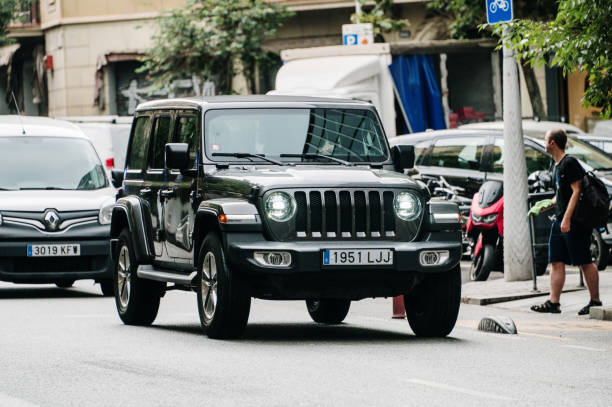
344,214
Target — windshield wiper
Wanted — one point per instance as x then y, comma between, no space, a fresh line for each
248,155
315,155
45,188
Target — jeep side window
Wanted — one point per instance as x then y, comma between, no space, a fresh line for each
186,131
138,143
161,136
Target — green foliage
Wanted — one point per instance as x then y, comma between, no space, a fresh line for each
579,39
207,38
9,11
380,16
465,16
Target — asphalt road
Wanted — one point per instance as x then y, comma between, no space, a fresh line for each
68,348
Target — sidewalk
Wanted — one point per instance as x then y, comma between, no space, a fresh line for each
495,291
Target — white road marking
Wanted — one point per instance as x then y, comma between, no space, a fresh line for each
459,389
6,400
584,348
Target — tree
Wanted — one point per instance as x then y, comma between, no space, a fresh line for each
578,39
380,16
9,11
466,16
212,39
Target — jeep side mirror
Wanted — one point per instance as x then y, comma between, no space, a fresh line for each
403,157
117,178
177,156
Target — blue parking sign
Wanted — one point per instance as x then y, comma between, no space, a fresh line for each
499,11
350,39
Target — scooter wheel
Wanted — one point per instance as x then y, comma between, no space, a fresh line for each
483,263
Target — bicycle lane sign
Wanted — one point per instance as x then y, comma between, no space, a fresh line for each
499,11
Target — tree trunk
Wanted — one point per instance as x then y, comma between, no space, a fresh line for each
534,92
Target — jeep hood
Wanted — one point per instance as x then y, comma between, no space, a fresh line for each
39,200
310,177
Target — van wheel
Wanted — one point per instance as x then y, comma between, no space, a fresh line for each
599,251
328,311
483,264
433,305
137,299
223,300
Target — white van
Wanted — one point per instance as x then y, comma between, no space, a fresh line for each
109,135
56,204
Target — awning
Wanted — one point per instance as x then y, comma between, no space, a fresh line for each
6,53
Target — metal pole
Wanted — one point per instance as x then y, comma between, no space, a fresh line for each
517,264
531,239
358,10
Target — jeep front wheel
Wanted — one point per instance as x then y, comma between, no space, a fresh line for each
433,305
223,301
137,300
328,311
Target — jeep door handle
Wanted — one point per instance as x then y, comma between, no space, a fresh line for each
144,192
166,193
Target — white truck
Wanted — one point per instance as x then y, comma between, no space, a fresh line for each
350,72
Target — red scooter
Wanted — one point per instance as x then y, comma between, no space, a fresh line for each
485,227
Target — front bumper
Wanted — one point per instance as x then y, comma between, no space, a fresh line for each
92,263
307,257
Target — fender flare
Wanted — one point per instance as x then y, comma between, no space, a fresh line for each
131,212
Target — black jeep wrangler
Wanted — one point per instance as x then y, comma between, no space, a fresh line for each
280,198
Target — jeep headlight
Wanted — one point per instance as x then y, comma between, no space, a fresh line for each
279,206
407,206
0,218
106,212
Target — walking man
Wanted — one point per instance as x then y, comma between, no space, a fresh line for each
569,240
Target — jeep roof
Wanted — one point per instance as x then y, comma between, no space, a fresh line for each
231,101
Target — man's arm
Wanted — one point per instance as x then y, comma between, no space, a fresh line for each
571,206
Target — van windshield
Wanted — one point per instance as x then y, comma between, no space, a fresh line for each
352,135
49,163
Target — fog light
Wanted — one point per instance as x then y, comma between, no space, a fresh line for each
273,259
433,257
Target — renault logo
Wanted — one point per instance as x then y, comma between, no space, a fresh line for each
52,219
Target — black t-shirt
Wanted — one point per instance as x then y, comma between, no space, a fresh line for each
565,173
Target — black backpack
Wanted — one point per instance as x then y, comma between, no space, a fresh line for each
593,205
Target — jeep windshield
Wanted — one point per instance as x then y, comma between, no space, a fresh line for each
317,135
48,163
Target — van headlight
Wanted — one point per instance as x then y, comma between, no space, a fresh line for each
279,206
407,206
106,212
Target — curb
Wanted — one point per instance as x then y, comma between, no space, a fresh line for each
489,299
601,312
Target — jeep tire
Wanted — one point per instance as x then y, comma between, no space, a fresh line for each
137,299
433,305
107,287
223,300
328,311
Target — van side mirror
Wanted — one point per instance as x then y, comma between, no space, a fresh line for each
177,156
117,178
403,157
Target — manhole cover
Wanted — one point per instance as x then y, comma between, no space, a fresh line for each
500,325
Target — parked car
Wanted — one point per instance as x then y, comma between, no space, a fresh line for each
55,204
467,157
530,127
600,141
280,198
109,135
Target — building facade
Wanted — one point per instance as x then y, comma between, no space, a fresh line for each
83,55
